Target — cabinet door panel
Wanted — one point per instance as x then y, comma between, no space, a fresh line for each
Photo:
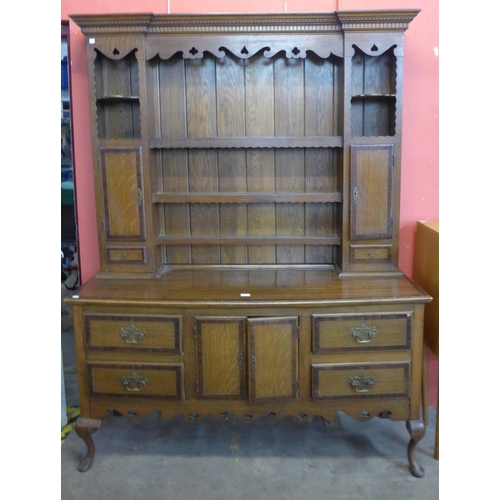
221,360
273,358
122,185
371,191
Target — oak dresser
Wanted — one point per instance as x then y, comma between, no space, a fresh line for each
247,172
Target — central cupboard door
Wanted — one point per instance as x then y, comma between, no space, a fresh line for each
220,345
240,358
272,351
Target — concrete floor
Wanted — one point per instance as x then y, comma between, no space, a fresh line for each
172,460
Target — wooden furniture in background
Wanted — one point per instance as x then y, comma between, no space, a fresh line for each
246,167
426,274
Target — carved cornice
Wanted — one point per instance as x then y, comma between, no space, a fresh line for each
376,20
112,24
207,24
217,24
229,24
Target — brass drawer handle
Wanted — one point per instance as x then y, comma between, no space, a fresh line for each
131,334
362,383
253,364
134,382
363,334
241,358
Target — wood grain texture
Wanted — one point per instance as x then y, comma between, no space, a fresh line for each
301,286
259,85
272,358
289,97
122,199
170,87
201,104
322,108
230,90
221,359
372,172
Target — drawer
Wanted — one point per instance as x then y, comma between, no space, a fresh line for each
126,254
138,332
349,332
370,253
136,380
341,381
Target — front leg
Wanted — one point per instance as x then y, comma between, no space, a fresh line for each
416,428
84,428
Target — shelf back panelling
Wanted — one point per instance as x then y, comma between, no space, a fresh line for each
230,94
198,208
256,98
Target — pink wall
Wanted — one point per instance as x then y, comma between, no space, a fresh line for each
419,183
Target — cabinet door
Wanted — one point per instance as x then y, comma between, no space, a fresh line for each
220,344
122,192
371,191
272,358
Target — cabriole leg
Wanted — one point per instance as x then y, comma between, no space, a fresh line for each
84,428
416,428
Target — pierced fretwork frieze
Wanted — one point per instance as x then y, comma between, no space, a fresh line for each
116,50
376,48
194,47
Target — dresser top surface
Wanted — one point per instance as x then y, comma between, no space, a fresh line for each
246,287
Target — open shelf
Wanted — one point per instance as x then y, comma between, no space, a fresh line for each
118,118
373,94
373,115
248,240
247,142
245,198
117,97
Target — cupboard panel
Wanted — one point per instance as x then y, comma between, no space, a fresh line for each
273,358
123,195
221,360
371,191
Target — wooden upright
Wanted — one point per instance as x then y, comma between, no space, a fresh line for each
247,172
